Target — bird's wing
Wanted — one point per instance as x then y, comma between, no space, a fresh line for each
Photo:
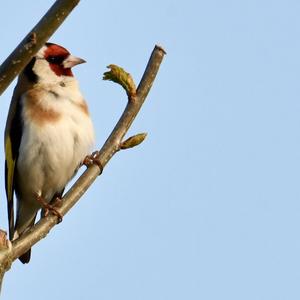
13,134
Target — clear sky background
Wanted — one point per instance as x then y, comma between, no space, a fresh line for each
208,206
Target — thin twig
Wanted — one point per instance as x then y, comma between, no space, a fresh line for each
34,40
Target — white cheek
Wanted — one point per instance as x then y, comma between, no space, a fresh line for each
42,69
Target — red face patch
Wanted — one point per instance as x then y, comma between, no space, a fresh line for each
55,55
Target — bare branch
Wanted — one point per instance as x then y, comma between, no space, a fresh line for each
35,39
112,145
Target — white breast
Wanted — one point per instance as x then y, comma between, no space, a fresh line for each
50,152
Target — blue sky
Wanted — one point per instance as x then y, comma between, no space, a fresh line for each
208,206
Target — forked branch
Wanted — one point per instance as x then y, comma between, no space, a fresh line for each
113,144
15,63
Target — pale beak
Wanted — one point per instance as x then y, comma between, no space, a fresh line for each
72,61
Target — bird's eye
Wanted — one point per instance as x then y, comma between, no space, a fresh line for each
51,59
55,59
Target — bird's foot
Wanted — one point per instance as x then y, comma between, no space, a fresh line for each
93,159
51,207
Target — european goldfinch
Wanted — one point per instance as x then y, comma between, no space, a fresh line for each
48,134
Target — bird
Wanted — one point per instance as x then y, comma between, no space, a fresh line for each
48,136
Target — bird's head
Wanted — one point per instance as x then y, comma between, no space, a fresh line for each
52,63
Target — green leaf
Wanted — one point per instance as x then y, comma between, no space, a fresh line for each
120,76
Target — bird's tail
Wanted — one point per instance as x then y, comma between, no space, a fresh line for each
24,258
